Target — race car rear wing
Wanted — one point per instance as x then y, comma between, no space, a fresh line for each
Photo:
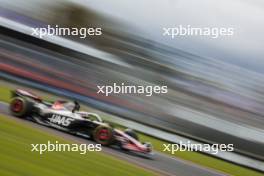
24,93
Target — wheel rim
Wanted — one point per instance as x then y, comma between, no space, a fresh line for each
17,105
103,134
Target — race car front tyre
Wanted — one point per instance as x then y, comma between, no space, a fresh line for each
103,135
20,107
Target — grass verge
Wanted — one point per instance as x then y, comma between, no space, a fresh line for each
17,158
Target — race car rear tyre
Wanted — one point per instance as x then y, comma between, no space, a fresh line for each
20,107
103,135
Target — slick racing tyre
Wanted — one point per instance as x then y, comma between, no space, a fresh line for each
103,135
20,107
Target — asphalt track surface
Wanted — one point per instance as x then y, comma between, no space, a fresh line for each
159,163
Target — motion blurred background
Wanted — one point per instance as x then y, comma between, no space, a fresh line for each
215,84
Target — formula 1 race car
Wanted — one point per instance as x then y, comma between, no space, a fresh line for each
66,116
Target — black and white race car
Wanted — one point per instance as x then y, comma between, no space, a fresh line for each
66,116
